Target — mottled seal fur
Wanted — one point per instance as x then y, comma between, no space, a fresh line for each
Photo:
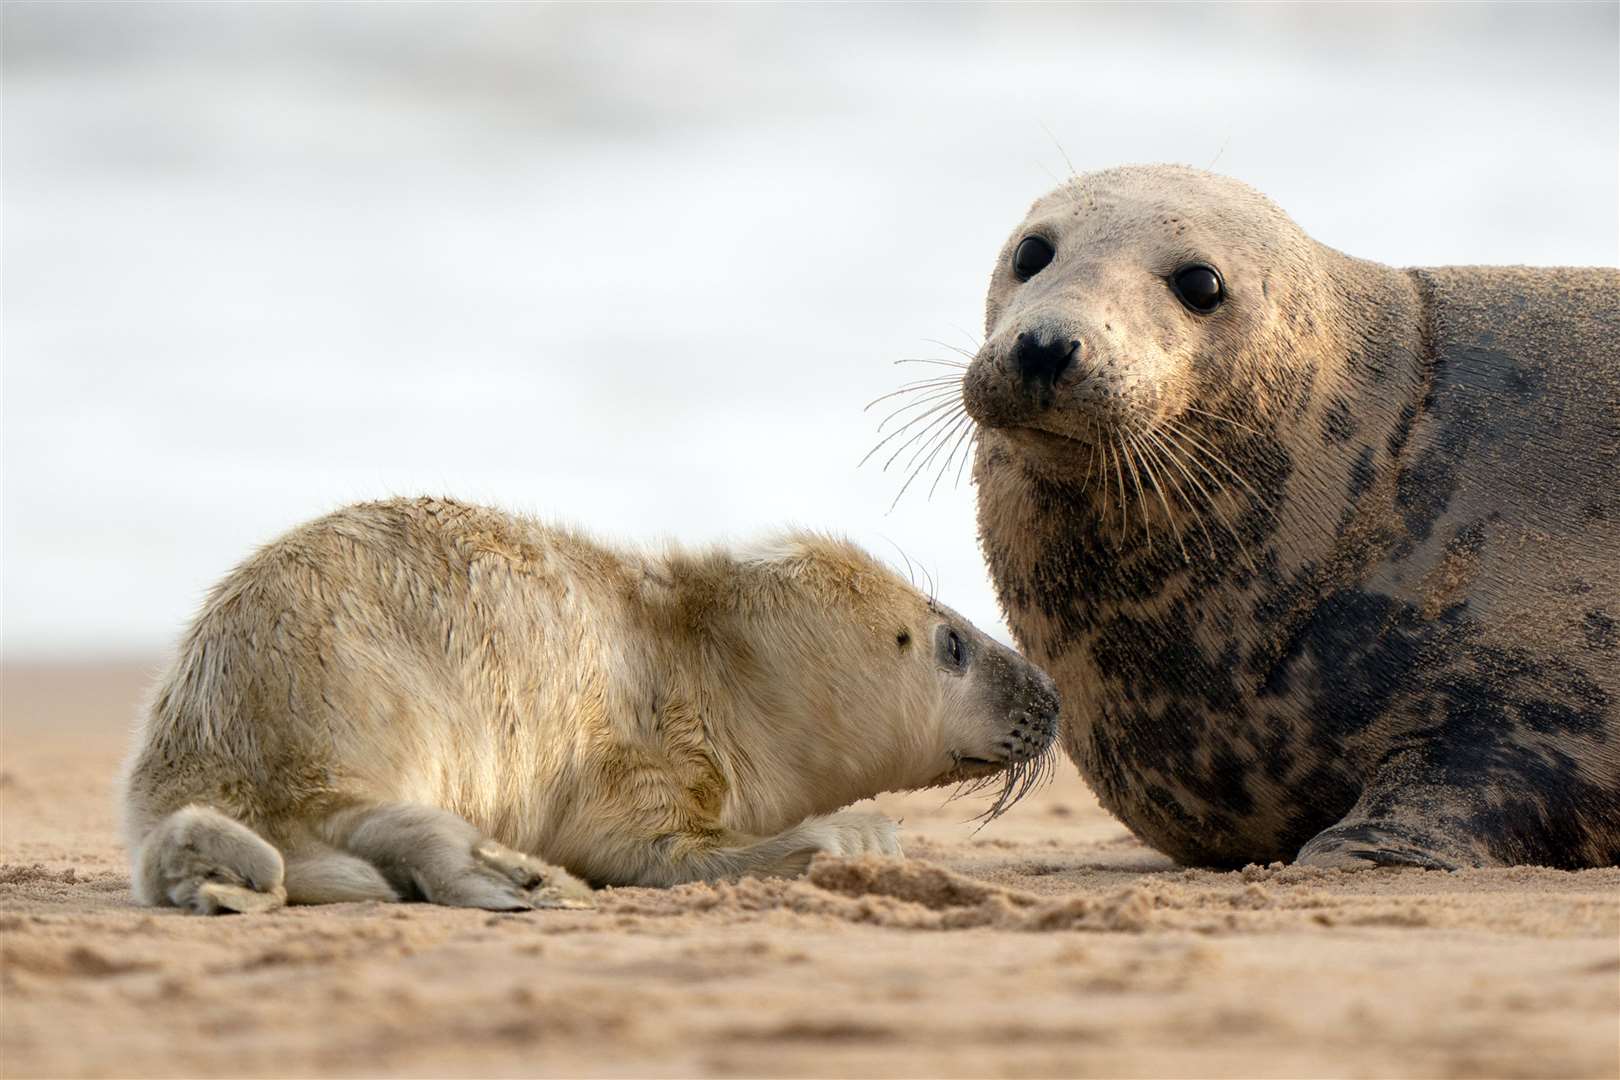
421,699
1328,571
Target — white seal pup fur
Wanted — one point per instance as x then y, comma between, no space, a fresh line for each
421,699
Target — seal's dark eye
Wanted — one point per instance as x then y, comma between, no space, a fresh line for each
952,652
1199,287
1032,256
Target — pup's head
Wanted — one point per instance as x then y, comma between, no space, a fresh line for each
865,684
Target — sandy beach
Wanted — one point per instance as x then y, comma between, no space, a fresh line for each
638,268
1050,943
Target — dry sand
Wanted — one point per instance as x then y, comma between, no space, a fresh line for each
1049,944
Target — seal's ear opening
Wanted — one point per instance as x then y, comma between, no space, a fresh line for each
903,638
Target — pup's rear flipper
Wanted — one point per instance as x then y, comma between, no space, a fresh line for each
201,860
317,874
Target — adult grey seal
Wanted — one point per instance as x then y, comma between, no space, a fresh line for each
1324,555
421,699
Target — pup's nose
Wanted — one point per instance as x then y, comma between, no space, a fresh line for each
1046,694
1041,360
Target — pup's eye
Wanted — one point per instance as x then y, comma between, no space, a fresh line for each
1033,255
1199,287
952,652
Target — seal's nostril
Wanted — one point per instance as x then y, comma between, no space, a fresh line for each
1042,362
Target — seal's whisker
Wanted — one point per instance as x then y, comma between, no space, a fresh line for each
1041,774
1193,440
954,348
1215,507
918,409
933,398
1015,781
930,423
1125,444
938,442
896,433
1167,455
1091,464
967,429
950,459
1223,419
993,811
919,468
933,447
966,789
973,787
1173,441
902,429
967,455
1011,776
1199,444
1074,174
946,415
937,438
944,385
1030,773
926,380
1101,450
911,570
914,387
1158,489
933,360
973,339
1107,458
1119,474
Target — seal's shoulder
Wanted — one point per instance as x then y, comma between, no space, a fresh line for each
1530,311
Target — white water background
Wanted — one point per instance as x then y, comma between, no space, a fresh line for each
640,268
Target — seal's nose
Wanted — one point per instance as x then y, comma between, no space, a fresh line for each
1040,360
1043,698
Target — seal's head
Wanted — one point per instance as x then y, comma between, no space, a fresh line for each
868,684
1130,300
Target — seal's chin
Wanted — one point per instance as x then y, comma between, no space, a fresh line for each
1041,437
966,769
1012,778
1053,450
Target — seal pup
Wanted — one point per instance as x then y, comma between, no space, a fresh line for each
420,699
1323,555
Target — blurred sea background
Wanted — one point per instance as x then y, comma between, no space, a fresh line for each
639,268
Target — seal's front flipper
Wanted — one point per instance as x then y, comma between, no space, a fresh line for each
718,856
424,852
1362,845
1413,814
